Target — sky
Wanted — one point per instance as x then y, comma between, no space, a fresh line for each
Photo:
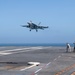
59,15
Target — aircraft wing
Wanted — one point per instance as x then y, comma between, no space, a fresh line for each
25,25
42,27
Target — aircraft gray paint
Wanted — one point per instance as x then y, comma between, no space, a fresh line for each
34,26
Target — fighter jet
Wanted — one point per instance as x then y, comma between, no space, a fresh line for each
34,26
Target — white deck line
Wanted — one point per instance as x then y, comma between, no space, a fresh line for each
27,68
32,63
38,70
21,49
48,63
7,52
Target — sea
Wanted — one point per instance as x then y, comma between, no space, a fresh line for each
34,44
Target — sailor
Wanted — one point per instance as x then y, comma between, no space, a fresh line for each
74,47
68,47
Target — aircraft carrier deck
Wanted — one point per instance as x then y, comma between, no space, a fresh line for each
53,61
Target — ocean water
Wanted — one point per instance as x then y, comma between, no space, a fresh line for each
33,44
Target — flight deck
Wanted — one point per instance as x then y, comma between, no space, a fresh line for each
44,61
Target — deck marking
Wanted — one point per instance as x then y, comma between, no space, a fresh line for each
66,69
48,63
22,49
38,70
55,59
32,65
27,68
59,56
7,52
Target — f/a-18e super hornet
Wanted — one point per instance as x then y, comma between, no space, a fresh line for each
34,26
